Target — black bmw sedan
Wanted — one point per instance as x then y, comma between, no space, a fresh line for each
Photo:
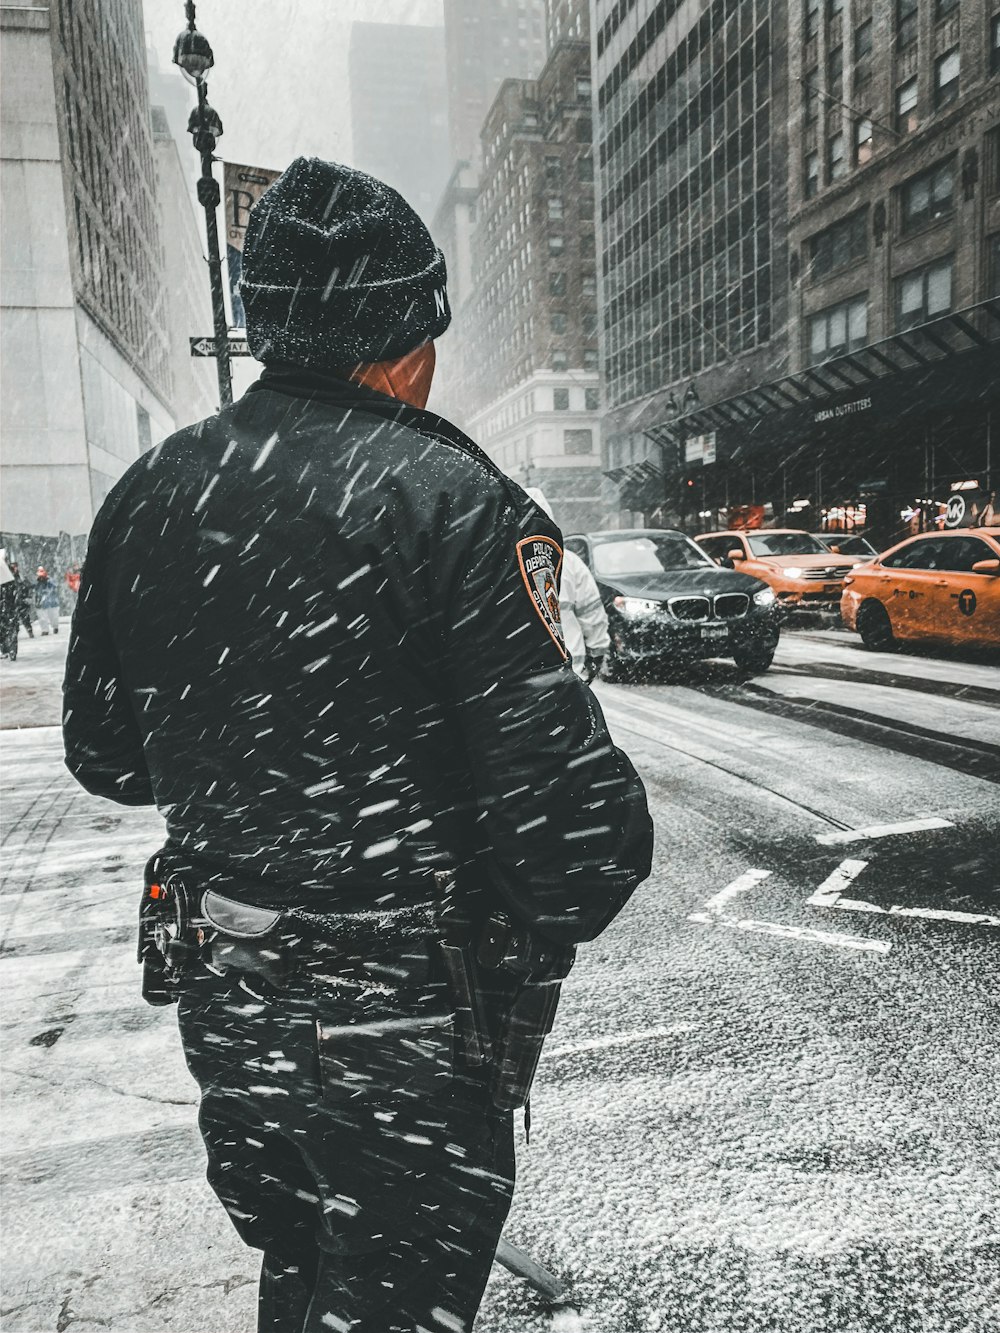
667,601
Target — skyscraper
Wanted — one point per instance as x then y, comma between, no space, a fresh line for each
692,143
487,42
399,110
531,341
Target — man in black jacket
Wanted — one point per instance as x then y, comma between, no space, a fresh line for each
320,631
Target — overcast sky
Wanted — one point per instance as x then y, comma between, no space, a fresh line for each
280,78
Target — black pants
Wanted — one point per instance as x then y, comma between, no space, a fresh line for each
345,1142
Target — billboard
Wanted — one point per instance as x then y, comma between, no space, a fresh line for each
242,187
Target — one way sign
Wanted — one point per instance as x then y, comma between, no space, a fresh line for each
206,347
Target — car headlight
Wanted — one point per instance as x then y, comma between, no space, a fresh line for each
765,597
634,607
793,573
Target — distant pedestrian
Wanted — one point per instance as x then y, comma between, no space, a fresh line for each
73,580
8,611
22,599
46,602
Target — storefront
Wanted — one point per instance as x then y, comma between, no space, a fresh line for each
891,439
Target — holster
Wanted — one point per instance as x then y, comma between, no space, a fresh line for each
537,970
168,933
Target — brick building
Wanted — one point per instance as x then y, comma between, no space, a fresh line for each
535,401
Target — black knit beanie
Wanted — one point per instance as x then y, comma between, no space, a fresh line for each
339,270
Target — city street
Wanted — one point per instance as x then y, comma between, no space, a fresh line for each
770,1098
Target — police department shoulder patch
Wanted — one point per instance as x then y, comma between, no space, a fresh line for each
540,560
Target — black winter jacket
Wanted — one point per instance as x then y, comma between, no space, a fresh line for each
306,630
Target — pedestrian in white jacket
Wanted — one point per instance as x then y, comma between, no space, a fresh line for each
584,619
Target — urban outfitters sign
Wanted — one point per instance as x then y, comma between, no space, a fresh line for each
843,410
242,187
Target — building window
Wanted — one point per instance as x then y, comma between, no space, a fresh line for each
946,71
906,106
863,40
558,320
995,43
835,73
582,87
863,147
578,441
836,162
530,120
927,197
839,329
557,284
584,130
590,324
560,399
846,242
811,175
555,208
553,171
592,397
590,359
559,360
906,22
811,92
942,8
833,8
588,284
923,294
585,169
556,245
812,19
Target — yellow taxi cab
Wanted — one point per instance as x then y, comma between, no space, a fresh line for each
941,585
803,573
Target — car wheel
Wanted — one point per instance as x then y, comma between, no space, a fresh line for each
875,628
755,658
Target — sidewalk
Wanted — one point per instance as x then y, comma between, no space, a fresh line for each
108,1222
31,687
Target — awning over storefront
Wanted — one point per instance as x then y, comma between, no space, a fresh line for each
850,384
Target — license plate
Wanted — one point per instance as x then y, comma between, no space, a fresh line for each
714,632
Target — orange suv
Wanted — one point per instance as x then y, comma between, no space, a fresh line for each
940,585
803,573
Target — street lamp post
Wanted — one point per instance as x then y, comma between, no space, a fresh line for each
193,55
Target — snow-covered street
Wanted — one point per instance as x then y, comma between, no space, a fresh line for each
770,1098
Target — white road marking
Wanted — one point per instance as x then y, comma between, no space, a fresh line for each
795,933
627,1039
928,913
840,836
745,881
834,885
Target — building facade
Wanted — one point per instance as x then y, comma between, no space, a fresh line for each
485,43
87,376
871,397
399,110
691,139
532,339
